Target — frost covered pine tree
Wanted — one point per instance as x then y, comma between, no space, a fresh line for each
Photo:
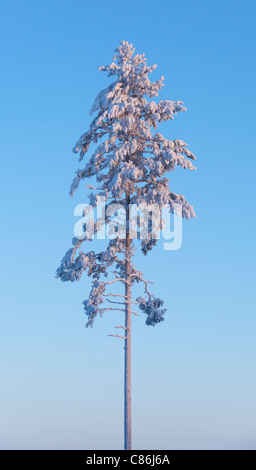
129,166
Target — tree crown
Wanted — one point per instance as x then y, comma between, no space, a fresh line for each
129,165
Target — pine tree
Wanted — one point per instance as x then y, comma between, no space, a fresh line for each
129,167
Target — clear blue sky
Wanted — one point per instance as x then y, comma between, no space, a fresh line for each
194,380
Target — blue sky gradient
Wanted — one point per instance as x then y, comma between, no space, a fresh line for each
193,375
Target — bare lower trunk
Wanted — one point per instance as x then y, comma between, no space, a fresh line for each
127,348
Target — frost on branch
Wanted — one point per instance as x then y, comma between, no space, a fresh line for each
129,161
151,308
92,304
95,265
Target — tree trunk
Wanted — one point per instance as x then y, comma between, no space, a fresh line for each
127,348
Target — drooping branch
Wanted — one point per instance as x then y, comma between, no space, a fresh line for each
135,313
137,276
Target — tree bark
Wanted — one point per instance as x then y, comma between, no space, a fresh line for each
127,348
